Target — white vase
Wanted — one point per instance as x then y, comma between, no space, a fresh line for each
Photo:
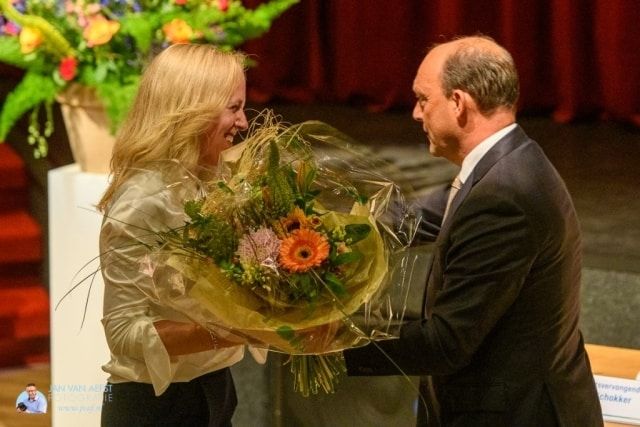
87,128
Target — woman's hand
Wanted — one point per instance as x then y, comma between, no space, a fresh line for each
185,338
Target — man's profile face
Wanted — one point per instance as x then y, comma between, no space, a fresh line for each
31,391
433,109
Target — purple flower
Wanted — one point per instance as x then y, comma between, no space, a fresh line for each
20,6
260,247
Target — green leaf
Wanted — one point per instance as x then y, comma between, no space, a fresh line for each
57,78
356,232
205,19
362,199
309,177
10,52
223,186
347,257
30,57
100,72
306,284
256,22
117,99
286,333
335,285
139,26
208,234
192,208
34,89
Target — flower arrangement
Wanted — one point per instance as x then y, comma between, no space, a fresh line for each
104,45
267,232
289,246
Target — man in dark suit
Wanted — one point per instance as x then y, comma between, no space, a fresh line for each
500,338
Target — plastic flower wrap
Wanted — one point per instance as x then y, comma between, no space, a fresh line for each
293,245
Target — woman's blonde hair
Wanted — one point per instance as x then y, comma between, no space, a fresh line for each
181,95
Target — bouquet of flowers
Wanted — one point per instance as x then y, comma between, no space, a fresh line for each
104,45
291,246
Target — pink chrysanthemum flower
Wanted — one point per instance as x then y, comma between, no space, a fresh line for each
260,246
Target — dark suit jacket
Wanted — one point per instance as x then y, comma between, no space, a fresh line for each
501,339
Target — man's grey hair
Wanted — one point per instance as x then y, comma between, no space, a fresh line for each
485,71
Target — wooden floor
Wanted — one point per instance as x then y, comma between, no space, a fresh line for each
12,382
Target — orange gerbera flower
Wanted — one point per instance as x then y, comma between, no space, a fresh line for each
303,250
294,220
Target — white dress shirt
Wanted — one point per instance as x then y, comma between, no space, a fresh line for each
478,152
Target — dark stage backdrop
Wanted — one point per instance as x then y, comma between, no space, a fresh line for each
576,58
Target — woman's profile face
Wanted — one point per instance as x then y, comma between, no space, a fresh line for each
231,120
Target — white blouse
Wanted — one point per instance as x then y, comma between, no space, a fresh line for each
149,201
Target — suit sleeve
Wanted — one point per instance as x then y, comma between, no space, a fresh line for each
429,207
483,262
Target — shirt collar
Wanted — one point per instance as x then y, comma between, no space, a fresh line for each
478,152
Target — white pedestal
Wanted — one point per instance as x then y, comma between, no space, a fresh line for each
77,352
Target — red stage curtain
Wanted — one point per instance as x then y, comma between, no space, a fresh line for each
576,58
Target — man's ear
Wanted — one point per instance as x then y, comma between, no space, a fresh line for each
459,99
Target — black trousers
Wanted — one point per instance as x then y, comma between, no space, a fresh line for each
207,401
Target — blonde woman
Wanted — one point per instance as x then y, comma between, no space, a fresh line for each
165,369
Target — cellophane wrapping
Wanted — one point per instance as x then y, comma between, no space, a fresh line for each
297,242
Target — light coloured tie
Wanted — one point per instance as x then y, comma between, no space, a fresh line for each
455,186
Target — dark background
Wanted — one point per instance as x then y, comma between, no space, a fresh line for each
576,58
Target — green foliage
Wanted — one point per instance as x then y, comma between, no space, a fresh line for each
111,61
140,26
255,23
192,208
303,287
335,284
117,99
280,190
288,334
208,234
10,52
346,258
360,198
356,232
32,91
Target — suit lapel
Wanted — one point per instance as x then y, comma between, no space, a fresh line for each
507,144
504,146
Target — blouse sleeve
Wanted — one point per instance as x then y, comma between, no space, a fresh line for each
129,310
